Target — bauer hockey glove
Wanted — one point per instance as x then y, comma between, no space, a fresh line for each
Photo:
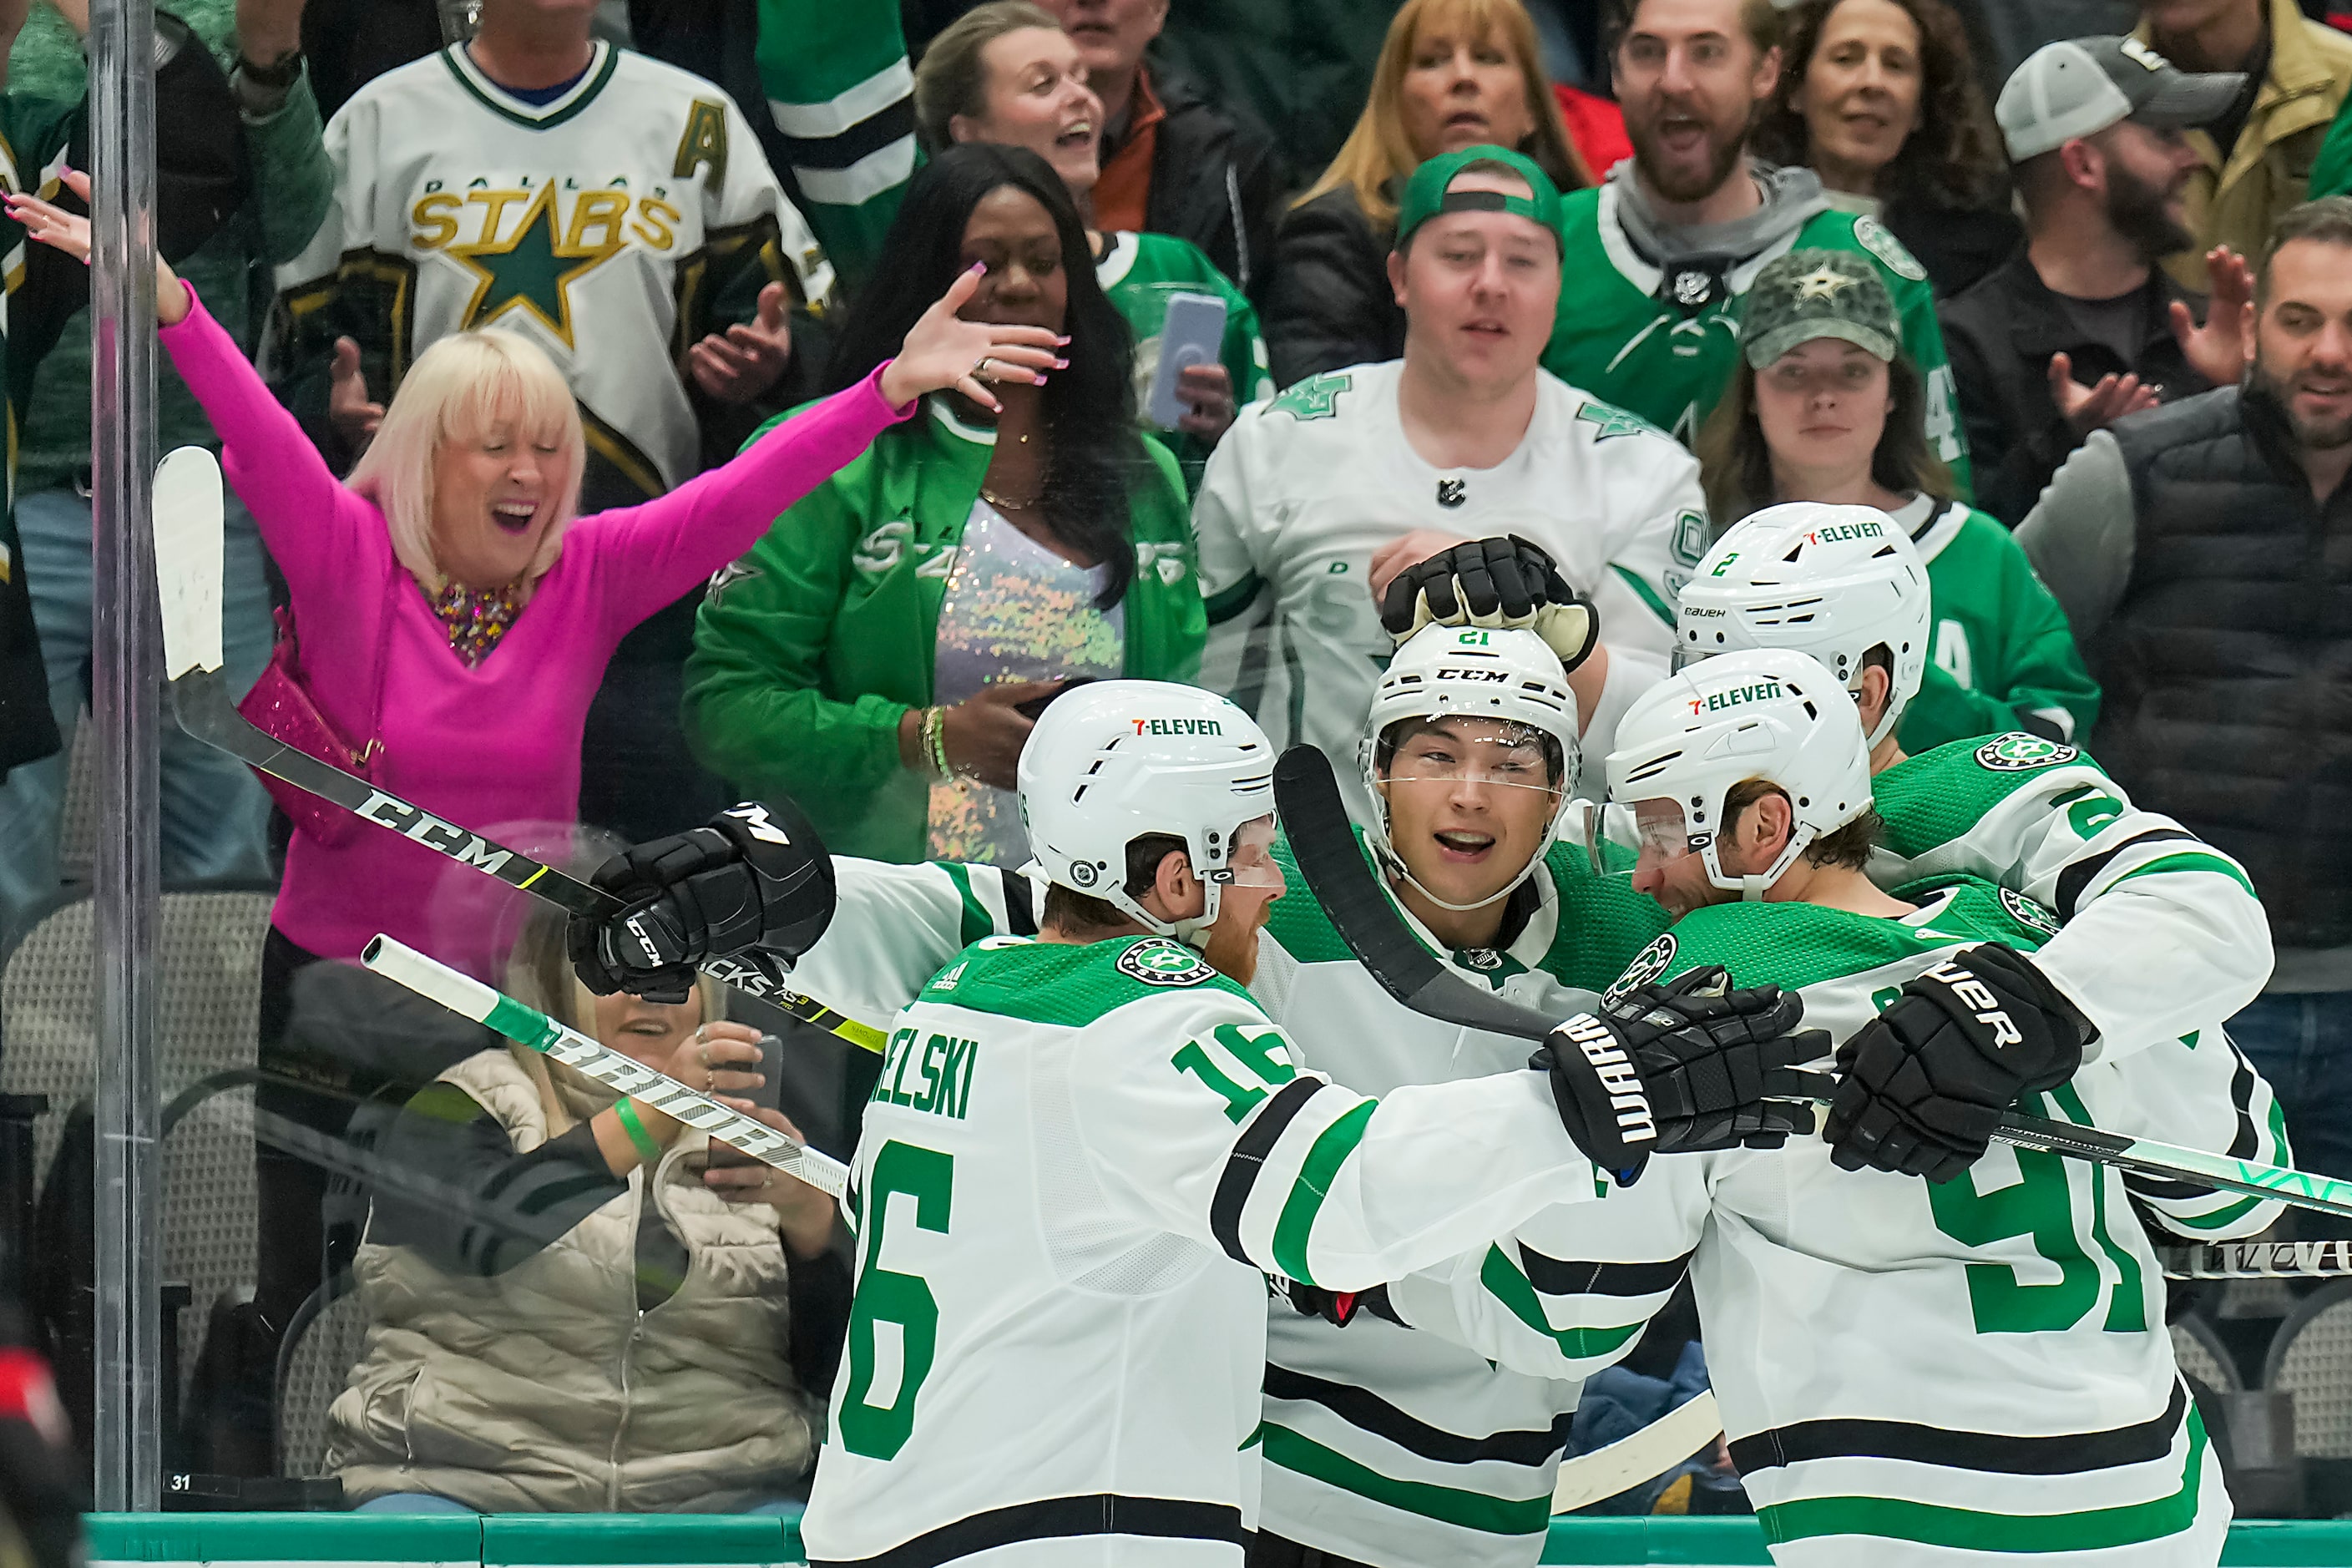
755,884
1496,581
1688,1066
1925,1082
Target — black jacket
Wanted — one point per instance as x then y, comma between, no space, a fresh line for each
1329,303
1214,182
2000,336
1958,246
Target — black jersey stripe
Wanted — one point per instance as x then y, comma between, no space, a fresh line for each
2067,1454
1096,1513
1248,1158
1020,918
1578,1276
894,122
2243,1143
2077,876
1369,1412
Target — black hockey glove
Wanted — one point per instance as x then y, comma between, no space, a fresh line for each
1338,1308
754,885
1689,1065
1494,582
1925,1082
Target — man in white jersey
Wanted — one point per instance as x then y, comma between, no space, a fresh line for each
1464,435
1976,1368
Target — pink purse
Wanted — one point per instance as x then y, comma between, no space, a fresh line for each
280,705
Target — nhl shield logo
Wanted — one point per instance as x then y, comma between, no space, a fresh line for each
1160,961
2026,912
1484,958
1450,493
2016,751
1647,965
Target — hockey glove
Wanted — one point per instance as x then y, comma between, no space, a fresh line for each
755,885
1508,582
1339,1308
1925,1082
1689,1065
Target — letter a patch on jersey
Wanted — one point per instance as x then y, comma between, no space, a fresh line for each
1160,961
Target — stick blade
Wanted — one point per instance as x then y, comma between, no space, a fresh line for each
188,552
1638,1457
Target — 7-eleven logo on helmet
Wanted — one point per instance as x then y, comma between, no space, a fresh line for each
1733,695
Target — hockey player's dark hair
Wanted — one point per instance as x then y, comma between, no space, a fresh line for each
1077,913
1849,846
1735,464
1093,450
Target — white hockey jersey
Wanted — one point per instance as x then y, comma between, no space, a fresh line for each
1074,1166
1978,1368
1303,491
599,226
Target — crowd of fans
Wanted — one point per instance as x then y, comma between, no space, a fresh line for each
483,301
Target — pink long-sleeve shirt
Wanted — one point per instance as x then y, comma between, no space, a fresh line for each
496,745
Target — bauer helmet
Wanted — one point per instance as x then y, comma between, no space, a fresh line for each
1835,582
1476,673
1114,760
1764,714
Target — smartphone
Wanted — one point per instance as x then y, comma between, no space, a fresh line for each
1191,334
1038,705
768,1096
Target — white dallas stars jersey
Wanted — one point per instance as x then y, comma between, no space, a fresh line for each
603,226
1962,1372
1073,1168
1303,491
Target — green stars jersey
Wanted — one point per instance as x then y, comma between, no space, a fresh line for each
1303,491
613,226
1075,1163
1140,272
1979,1367
1618,340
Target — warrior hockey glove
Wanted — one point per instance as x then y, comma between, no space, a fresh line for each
1684,1067
755,885
1497,583
1925,1082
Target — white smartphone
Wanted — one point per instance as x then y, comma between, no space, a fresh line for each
1192,334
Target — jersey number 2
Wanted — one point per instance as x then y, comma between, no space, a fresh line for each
928,1176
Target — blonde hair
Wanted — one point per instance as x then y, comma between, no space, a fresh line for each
456,389
1376,152
951,78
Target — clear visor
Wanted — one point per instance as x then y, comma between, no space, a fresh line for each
1686,654
1470,757
1610,836
1620,839
1251,863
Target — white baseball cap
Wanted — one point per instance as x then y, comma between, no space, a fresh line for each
2079,87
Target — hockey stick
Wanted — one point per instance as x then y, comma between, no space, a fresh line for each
1324,843
2259,1261
1638,1456
188,567
468,997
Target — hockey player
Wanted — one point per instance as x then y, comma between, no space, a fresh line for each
1465,434
1977,1368
1096,1139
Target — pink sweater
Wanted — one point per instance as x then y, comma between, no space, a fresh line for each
494,748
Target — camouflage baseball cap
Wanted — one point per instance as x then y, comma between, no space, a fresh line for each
1809,294
1426,193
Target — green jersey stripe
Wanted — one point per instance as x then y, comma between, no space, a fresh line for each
1647,595
976,923
1330,1151
1970,1530
2186,860
1447,1505
1511,1288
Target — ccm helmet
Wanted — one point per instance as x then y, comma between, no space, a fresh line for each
1766,713
1114,760
1835,582
1473,672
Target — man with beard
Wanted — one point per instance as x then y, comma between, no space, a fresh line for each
1663,252
2083,327
2202,552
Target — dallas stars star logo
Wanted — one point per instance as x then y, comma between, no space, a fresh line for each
1823,283
533,268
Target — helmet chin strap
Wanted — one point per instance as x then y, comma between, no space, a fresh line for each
1886,720
1404,874
1751,886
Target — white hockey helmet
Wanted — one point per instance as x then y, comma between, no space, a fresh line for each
1763,713
1835,582
1473,672
1114,760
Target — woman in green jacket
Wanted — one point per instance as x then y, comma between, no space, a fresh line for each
881,655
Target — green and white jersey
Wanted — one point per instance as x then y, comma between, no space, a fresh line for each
1619,339
613,226
1075,1166
2161,932
1981,1367
1303,491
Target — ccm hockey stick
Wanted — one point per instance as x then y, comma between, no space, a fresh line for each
188,569
464,995
1324,843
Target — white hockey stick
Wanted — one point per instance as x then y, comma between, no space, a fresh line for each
1638,1457
464,995
2259,1261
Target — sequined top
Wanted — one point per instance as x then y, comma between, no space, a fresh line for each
477,617
1013,610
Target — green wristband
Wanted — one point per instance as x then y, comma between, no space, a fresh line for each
648,1150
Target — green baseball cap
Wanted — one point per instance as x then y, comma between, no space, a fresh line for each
1809,294
1425,195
